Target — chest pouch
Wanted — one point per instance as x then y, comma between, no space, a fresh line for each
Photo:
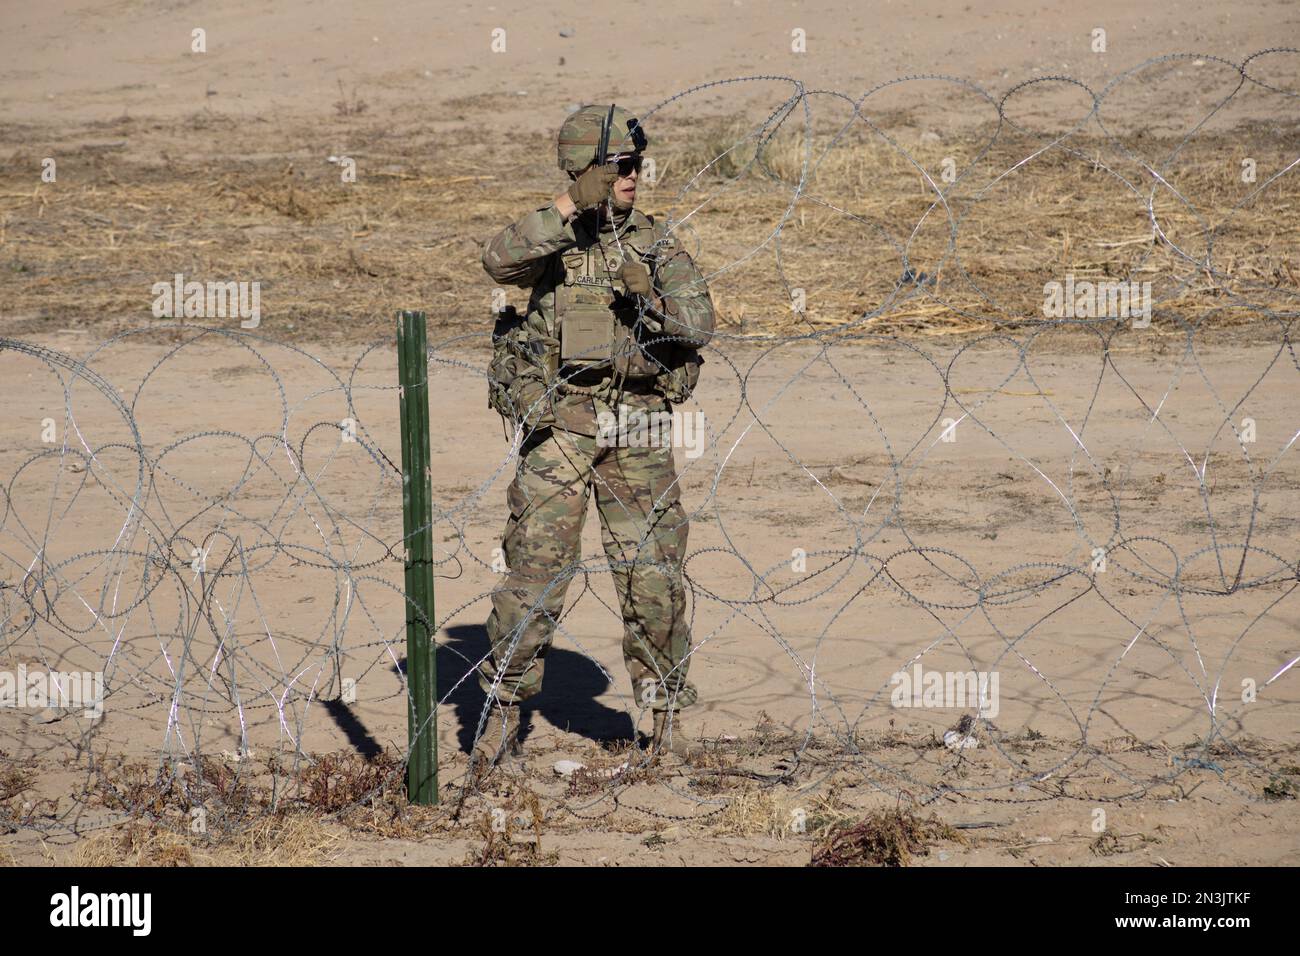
586,316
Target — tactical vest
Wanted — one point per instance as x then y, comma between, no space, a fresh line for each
591,345
594,317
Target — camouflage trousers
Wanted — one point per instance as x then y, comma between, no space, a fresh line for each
644,531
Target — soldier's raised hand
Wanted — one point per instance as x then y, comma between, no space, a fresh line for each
636,278
593,186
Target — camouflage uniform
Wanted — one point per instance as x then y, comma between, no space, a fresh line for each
570,268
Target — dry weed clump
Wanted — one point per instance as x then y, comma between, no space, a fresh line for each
333,782
767,812
497,826
14,779
363,794
366,795
620,765
885,838
147,789
18,808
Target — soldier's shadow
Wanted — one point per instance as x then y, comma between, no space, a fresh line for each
568,699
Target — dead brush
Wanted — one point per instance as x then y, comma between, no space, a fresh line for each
334,782
16,814
16,809
766,738
765,812
388,814
349,106
274,840
367,795
145,789
14,779
626,765
885,838
498,826
713,771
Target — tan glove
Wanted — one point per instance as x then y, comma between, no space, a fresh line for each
593,186
636,278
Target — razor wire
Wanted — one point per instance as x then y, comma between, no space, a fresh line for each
170,600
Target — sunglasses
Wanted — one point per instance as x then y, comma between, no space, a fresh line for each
627,163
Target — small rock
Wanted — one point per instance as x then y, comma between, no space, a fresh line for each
566,32
943,856
955,741
929,136
567,768
47,716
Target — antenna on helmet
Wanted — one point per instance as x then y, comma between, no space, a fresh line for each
604,136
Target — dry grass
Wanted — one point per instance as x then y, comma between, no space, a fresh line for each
765,812
340,258
302,839
885,838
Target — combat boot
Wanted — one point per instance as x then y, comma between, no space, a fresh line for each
668,735
499,741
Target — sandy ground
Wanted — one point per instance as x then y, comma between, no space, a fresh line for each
77,61
1116,693
1114,672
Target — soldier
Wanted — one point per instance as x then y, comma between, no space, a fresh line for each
615,319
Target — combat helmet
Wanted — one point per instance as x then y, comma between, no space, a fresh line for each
579,137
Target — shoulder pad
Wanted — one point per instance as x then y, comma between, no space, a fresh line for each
641,220
664,240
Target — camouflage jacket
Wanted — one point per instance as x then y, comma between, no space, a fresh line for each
572,266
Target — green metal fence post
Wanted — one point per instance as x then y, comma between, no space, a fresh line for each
417,529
